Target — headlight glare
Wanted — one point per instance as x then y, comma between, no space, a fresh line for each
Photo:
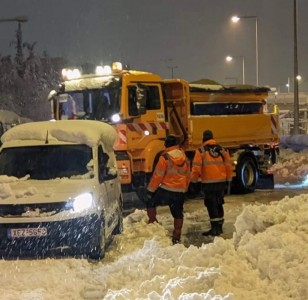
82,202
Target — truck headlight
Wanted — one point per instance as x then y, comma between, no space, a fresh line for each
82,202
115,118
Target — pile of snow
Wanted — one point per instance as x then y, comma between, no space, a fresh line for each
291,168
266,259
295,142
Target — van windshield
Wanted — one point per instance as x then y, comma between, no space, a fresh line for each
45,162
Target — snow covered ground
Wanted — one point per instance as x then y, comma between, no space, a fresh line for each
266,258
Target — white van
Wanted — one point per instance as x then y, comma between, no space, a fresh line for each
59,189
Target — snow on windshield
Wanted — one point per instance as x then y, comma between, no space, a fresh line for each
81,131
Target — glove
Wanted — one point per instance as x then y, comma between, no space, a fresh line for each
149,196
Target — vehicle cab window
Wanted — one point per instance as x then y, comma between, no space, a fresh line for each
152,99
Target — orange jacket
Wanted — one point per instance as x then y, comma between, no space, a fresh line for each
211,166
172,171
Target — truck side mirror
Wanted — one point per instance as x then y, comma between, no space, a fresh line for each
51,95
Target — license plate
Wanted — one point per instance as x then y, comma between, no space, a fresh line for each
27,232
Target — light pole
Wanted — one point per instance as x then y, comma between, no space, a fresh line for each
172,68
19,19
296,78
230,58
236,19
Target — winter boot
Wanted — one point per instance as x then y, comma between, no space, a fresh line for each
177,231
219,226
214,231
151,211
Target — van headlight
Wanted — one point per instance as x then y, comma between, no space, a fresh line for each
82,202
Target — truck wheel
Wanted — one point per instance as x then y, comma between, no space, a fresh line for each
274,155
246,176
141,189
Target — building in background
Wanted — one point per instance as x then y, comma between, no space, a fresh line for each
285,103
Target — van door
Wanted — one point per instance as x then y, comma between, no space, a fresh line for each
109,181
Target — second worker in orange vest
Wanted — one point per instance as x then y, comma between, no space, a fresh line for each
169,184
212,163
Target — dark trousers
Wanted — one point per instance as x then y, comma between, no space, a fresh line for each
213,201
174,200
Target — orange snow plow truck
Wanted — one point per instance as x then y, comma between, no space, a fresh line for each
145,108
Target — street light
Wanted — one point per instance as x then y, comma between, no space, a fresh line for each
236,19
230,58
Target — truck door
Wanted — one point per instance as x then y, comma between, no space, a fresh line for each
177,106
146,108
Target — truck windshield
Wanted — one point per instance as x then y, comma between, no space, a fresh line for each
45,162
92,104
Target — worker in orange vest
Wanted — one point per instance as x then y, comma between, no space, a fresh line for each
169,185
212,163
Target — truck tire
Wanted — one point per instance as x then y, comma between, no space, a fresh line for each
246,176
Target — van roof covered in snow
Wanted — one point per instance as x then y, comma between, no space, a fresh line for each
72,131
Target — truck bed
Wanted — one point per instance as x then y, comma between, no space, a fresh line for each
235,130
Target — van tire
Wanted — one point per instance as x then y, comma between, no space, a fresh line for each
98,251
119,228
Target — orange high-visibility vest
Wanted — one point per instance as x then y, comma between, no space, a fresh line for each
172,171
212,166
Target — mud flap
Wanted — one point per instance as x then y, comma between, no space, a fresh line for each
265,182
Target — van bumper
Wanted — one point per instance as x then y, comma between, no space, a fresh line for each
74,237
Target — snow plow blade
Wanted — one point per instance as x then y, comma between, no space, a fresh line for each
265,182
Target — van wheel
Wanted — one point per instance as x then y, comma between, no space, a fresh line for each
98,251
119,228
246,176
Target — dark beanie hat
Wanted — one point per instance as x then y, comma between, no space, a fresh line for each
170,141
207,135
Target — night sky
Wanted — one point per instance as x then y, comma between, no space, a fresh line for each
192,37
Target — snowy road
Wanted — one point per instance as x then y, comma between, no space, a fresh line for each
196,218
141,263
